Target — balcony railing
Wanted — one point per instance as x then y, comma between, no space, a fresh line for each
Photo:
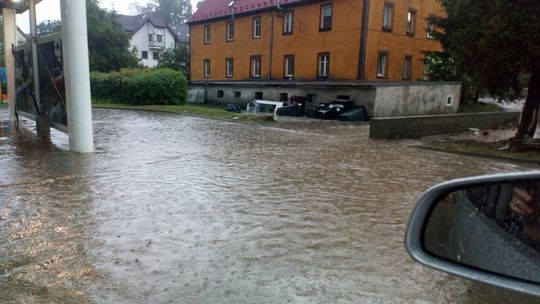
156,45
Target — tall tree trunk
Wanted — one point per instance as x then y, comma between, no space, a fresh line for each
529,115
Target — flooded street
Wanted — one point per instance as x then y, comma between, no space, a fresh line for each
180,209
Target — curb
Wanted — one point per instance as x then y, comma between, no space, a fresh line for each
477,154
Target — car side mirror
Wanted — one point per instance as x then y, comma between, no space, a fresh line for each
485,229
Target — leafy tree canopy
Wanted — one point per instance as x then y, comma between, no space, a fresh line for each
108,44
172,11
176,59
495,42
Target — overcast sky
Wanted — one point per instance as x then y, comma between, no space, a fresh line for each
50,10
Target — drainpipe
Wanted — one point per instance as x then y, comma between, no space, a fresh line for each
271,44
362,56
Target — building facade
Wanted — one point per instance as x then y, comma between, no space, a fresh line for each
151,35
368,40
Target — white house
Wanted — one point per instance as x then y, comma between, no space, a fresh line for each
151,35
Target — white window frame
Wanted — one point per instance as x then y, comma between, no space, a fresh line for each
411,22
407,67
255,66
257,27
287,71
288,22
230,31
388,16
324,9
323,70
207,34
430,29
382,64
229,67
207,68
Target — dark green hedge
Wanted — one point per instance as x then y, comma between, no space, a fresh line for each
140,86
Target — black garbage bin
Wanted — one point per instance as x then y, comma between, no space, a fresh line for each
300,102
355,114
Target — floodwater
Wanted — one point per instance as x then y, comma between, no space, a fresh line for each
180,209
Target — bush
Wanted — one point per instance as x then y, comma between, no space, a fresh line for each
140,86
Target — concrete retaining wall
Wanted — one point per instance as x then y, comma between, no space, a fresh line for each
381,99
419,126
420,99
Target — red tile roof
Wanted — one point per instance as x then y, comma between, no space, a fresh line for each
212,9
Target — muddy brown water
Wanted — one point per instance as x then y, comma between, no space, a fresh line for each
179,209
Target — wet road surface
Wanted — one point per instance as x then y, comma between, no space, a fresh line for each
179,209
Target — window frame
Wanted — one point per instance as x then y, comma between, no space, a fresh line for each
207,68
229,31
430,28
150,38
252,65
322,27
288,30
319,64
384,74
254,27
227,74
144,54
410,27
155,55
407,69
207,34
287,74
390,27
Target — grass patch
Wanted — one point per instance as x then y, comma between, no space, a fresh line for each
211,111
494,149
479,108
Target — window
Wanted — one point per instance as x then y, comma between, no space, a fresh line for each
411,22
230,31
159,38
283,97
382,65
324,65
155,55
430,28
237,94
229,67
450,100
207,33
259,95
288,66
388,16
326,17
220,94
407,68
425,74
257,27
207,68
144,54
255,67
288,23
150,38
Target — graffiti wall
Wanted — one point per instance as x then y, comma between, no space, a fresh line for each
51,81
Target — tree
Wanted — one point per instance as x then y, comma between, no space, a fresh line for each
176,59
48,27
108,44
172,11
495,42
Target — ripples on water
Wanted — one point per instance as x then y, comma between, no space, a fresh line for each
188,210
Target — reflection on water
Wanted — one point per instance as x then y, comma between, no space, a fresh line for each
188,210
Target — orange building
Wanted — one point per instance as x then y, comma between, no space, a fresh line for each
372,40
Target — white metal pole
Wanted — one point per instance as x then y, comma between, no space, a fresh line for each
10,39
77,75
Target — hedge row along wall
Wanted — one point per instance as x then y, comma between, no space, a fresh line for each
140,86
